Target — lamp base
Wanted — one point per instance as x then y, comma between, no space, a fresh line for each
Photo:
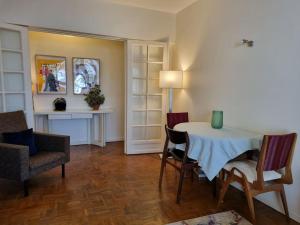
170,99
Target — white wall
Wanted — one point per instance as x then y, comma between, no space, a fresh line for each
91,16
111,55
258,88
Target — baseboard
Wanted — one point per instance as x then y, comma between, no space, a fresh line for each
78,143
113,139
295,216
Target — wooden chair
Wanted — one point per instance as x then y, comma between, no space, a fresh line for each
269,173
176,118
185,163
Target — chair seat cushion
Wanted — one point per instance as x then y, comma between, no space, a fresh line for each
179,154
44,158
248,167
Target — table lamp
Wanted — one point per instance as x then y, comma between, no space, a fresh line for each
170,80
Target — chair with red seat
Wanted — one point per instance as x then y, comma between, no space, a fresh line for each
175,118
269,173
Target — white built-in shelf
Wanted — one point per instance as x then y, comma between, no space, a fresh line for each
150,94
144,97
140,78
150,62
144,78
11,50
147,125
140,61
155,62
12,92
144,110
13,71
151,141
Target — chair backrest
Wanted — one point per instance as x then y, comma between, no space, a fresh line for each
12,122
176,118
177,137
277,151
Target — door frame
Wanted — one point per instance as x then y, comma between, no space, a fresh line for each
26,69
148,148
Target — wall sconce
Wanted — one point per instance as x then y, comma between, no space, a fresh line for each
249,43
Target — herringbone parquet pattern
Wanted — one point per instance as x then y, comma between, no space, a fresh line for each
106,187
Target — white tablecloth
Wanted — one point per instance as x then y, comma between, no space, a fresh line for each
213,148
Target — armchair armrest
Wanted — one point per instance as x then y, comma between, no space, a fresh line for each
14,162
53,142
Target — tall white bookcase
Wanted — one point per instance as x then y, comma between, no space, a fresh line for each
145,101
15,80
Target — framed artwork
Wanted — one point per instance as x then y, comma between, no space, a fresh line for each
51,75
85,74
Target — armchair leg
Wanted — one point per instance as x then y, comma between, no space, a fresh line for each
25,188
63,170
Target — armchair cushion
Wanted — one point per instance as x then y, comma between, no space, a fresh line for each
248,167
44,158
24,137
53,143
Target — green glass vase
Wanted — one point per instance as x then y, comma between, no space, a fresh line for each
217,119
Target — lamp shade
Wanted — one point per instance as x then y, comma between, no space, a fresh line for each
170,79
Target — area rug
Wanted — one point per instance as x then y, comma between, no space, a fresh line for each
224,218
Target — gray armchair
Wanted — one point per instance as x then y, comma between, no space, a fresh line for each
15,162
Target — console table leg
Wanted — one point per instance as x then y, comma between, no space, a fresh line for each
102,130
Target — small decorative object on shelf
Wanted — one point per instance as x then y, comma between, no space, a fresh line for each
60,104
94,98
217,119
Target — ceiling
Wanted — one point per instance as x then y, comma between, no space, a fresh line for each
170,6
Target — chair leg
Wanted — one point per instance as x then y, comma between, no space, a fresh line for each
225,184
192,174
215,188
162,168
25,188
182,172
63,170
220,181
249,200
283,199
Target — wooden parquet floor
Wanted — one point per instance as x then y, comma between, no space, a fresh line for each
105,187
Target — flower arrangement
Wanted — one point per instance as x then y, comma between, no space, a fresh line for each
94,98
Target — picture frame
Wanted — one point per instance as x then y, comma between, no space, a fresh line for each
86,74
51,74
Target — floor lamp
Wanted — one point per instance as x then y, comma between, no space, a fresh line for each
170,80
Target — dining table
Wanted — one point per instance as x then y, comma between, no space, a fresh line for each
213,148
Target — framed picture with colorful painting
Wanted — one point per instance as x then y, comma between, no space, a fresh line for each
85,74
51,75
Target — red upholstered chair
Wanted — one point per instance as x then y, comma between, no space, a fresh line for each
269,173
176,118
